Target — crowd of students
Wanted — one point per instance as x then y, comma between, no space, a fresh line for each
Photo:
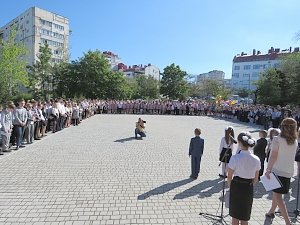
30,121
265,115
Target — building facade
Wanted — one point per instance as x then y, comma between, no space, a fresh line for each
114,60
36,27
214,75
146,70
246,69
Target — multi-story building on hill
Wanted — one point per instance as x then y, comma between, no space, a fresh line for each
246,69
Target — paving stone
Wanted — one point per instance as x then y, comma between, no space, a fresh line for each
97,173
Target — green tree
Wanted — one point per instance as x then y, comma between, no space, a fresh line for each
281,86
290,68
173,83
65,80
94,72
116,86
147,87
243,93
131,88
13,74
41,77
194,90
268,87
211,87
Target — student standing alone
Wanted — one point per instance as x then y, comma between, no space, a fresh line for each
195,153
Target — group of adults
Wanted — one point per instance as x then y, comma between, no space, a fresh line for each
24,122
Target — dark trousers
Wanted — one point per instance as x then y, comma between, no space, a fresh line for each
20,134
136,132
195,162
262,166
37,126
75,122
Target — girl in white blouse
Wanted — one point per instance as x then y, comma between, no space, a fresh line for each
225,150
243,171
281,163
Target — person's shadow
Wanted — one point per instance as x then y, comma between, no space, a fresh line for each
211,186
164,188
123,140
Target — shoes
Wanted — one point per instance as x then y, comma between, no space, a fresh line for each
1,153
222,176
7,150
17,148
270,215
37,139
22,146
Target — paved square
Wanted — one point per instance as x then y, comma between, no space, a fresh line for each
98,173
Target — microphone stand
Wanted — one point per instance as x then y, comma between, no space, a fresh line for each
219,218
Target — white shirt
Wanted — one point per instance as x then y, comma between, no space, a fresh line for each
284,165
245,164
223,144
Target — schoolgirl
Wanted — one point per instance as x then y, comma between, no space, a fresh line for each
243,172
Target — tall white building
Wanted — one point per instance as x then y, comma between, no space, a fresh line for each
35,28
214,74
246,69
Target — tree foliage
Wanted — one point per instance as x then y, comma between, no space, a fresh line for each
281,86
209,87
40,74
89,76
13,74
147,87
268,87
173,84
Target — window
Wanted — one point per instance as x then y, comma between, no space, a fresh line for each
236,75
276,65
236,67
255,74
59,27
256,67
246,75
247,67
46,23
52,43
57,52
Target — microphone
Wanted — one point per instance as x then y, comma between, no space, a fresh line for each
234,141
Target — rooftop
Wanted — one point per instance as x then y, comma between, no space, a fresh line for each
257,56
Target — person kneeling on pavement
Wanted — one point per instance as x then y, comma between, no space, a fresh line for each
140,128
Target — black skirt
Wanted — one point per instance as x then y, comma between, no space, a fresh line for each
241,198
285,182
225,155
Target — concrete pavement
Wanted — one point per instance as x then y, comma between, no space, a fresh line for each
97,173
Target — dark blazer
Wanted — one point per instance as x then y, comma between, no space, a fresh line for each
196,146
260,148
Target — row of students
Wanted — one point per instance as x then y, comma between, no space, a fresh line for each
31,120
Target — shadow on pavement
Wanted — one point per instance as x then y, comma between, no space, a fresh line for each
164,188
212,186
123,140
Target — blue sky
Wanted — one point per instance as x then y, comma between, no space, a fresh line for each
198,35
